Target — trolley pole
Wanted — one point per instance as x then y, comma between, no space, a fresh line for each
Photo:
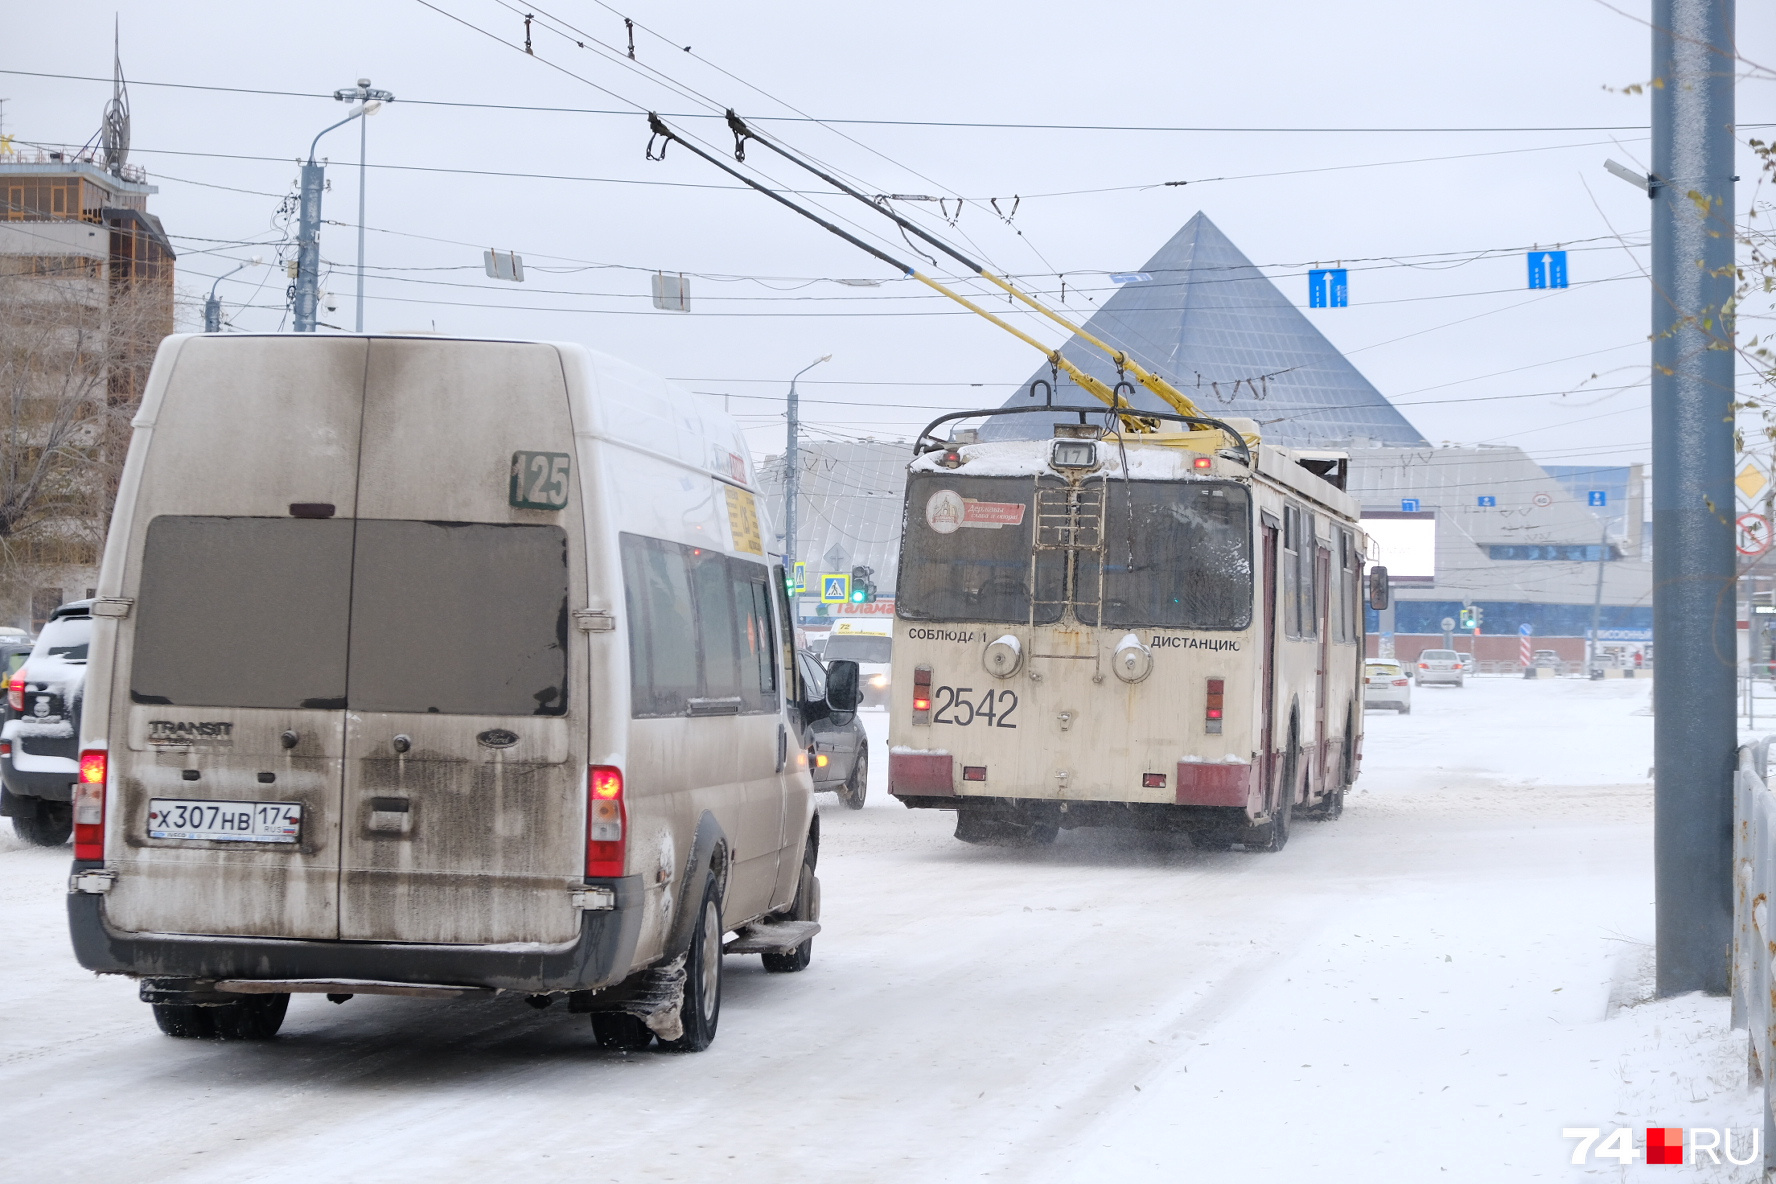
1695,725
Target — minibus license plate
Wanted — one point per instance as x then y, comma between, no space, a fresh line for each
228,822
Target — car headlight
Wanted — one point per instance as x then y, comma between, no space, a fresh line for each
878,680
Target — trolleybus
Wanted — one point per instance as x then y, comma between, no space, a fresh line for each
1160,630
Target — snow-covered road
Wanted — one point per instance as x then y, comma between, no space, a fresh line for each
1429,988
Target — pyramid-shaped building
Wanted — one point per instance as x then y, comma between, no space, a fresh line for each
1203,317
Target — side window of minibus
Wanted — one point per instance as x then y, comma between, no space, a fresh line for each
663,668
792,678
718,626
752,604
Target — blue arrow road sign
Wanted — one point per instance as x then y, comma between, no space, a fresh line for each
1547,269
1524,630
1129,277
1328,288
1487,500
1597,497
1409,505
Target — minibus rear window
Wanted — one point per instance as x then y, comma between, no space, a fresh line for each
859,647
243,612
459,618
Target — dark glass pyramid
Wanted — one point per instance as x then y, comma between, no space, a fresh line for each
1214,326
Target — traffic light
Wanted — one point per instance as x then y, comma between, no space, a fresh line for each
1467,617
863,590
1479,616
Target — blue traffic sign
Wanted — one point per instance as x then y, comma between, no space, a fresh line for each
835,589
1129,277
1488,501
1409,505
1597,497
1327,287
1547,269
1525,630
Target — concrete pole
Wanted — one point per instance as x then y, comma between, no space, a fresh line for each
1596,608
363,147
1694,723
308,246
792,473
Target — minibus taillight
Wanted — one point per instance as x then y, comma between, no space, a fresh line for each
15,690
922,694
604,821
89,806
1212,712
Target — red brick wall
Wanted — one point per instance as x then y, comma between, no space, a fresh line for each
1484,648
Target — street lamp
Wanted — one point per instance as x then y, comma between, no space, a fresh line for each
213,306
792,473
308,228
372,101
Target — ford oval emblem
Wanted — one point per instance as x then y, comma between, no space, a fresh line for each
497,738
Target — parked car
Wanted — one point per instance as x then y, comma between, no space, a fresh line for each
1468,662
1385,684
838,747
40,741
1547,658
1440,666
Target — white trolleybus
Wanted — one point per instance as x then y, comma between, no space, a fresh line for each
1160,630
1152,619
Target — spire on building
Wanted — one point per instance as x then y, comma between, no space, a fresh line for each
115,131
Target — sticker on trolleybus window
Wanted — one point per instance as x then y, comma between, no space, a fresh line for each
947,511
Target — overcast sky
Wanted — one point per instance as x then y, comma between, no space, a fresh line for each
1448,336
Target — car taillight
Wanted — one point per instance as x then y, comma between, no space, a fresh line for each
89,806
1212,712
921,694
604,821
1402,682
1424,665
15,691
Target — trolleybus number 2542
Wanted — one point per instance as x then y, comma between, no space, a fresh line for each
995,707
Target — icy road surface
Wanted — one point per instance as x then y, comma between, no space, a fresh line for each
1428,989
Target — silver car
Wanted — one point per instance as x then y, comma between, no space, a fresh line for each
1443,666
1385,684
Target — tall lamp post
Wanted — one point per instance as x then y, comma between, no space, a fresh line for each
213,306
307,291
792,471
371,99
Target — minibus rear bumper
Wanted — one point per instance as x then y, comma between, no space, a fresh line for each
601,955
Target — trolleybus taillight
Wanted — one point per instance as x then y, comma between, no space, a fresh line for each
89,806
1212,712
922,694
604,821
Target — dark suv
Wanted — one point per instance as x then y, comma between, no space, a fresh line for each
40,742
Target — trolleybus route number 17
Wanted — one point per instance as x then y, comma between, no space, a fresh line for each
993,706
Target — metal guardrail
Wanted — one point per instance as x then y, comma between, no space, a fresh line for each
1754,930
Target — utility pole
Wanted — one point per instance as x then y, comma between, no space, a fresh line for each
306,294
1591,667
1694,714
371,99
792,472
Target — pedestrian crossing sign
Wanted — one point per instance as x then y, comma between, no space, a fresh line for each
835,589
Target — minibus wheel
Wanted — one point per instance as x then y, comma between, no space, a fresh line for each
43,824
805,908
183,1020
701,1008
255,1017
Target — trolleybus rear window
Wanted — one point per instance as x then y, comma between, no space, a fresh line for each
966,554
1177,555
